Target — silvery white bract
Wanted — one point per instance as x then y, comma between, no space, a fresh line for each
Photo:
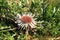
25,20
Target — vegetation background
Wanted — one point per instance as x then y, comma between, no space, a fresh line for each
47,13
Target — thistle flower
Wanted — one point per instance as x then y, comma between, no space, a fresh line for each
26,20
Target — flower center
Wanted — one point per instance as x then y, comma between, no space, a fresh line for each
26,19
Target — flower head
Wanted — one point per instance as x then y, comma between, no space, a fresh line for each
25,20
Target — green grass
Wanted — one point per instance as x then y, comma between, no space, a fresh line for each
47,15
